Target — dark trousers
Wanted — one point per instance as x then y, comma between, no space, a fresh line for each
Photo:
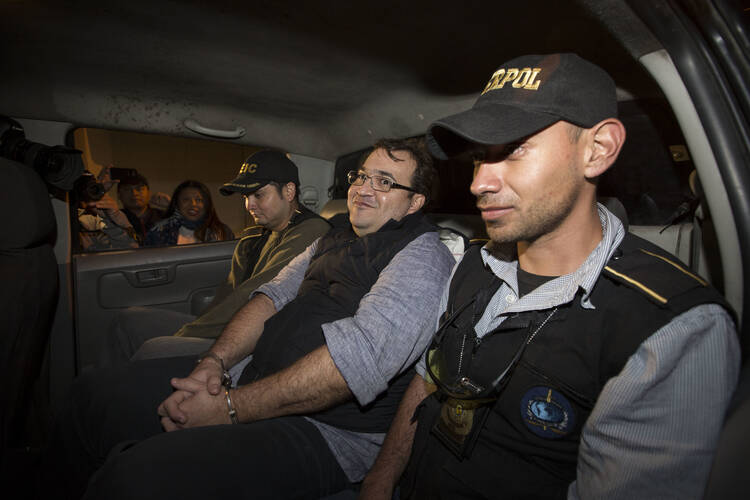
136,325
110,429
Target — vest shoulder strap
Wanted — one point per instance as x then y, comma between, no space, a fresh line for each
472,281
659,276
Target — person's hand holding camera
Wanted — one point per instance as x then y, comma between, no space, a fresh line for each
108,206
105,178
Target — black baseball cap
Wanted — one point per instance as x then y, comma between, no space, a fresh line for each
133,180
259,169
524,96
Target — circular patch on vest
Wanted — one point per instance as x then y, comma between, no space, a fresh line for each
547,413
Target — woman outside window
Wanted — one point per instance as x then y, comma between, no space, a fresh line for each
190,218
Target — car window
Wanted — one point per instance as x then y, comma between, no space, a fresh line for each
164,163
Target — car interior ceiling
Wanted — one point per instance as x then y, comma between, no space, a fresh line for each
319,82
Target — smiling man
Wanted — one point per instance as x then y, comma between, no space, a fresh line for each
370,208
269,183
573,358
334,338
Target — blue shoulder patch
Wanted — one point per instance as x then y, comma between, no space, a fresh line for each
547,413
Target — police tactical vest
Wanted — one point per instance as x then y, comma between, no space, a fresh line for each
343,269
527,444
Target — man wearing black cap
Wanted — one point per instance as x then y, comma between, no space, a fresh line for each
269,183
572,358
134,194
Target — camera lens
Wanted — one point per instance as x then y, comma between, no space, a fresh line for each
88,189
94,190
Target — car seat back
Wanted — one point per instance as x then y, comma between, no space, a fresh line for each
28,297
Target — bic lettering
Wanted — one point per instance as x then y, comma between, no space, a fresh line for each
251,168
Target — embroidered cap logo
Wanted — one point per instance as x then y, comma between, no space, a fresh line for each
525,78
248,168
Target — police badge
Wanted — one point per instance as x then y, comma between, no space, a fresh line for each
459,423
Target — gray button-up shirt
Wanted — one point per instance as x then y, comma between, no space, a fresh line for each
392,327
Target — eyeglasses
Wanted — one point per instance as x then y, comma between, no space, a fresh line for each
377,182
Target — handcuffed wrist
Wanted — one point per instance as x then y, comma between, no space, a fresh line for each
214,356
226,378
232,411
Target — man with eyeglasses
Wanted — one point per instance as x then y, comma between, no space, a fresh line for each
333,337
573,359
269,183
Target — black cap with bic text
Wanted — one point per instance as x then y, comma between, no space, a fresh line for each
259,169
524,96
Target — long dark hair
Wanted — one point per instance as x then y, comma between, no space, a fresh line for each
211,221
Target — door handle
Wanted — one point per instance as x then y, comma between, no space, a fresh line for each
150,277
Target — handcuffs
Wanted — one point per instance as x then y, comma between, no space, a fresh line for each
226,382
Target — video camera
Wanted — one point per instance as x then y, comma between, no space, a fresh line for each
87,188
59,166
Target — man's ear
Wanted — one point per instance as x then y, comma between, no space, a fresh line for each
605,139
290,189
417,202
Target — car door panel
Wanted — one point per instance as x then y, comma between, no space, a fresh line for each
147,286
180,278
